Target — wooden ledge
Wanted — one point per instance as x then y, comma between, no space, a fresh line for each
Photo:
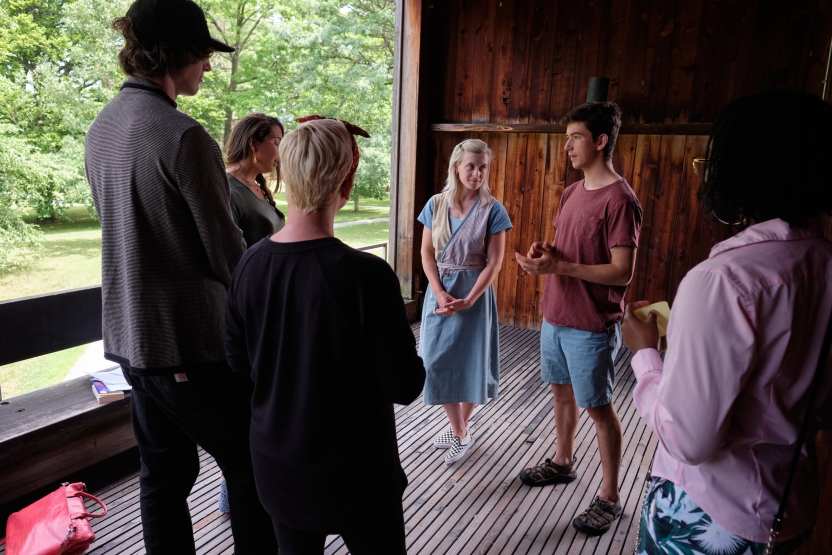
50,433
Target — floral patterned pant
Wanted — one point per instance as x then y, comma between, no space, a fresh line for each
671,523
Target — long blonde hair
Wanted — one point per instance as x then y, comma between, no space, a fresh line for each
453,187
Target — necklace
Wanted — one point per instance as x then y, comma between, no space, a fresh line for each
255,189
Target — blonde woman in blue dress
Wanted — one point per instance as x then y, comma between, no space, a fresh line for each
463,244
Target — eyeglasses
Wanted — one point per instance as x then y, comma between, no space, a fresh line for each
700,163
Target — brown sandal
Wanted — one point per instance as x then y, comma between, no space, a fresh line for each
547,472
598,517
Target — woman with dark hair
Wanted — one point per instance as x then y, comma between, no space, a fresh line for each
250,153
744,342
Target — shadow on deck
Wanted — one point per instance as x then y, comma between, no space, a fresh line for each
475,506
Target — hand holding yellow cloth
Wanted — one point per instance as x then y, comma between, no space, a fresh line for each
662,310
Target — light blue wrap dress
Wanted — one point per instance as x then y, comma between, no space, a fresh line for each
461,352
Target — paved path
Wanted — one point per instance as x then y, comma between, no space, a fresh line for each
361,222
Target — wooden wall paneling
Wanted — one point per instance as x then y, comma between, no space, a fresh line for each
530,227
819,51
444,24
643,183
683,61
712,232
501,75
740,21
543,61
563,67
498,142
515,172
631,82
553,186
624,156
709,50
521,65
589,34
794,55
657,61
483,65
769,32
663,221
689,216
611,43
469,18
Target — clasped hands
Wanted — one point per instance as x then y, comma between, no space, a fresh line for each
541,259
448,305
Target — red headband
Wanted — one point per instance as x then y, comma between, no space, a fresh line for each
353,129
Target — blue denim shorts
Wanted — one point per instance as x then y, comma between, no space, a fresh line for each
584,359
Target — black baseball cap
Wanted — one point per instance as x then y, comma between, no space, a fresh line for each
173,21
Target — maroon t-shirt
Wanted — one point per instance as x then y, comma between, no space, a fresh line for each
588,224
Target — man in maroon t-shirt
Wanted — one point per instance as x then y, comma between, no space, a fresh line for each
588,269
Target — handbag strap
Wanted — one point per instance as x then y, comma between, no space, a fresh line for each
810,403
94,498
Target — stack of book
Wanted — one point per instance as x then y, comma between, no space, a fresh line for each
103,394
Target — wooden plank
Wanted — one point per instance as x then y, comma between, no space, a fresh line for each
793,63
819,51
769,35
664,199
589,35
518,108
689,216
483,61
626,129
709,50
611,46
531,226
515,164
542,59
501,76
466,66
737,52
631,83
443,23
657,62
644,182
43,324
563,68
683,61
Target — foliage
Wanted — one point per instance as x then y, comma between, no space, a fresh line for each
58,68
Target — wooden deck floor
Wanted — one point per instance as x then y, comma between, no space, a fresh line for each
475,506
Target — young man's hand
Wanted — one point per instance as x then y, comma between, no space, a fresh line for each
637,335
541,259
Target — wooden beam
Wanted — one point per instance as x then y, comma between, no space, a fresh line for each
408,170
626,129
44,324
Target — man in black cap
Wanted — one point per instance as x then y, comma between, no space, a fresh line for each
169,247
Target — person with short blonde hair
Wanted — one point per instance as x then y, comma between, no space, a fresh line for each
300,306
317,156
463,244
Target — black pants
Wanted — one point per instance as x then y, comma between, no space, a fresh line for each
380,534
170,418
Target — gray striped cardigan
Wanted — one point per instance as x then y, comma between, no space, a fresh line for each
169,245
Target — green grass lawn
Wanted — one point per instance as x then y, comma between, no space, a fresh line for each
71,258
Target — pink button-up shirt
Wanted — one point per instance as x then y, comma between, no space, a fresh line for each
743,343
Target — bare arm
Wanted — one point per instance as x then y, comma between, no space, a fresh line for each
495,250
618,272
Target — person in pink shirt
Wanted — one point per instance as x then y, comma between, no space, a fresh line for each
743,341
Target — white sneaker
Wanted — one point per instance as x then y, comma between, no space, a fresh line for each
459,447
445,439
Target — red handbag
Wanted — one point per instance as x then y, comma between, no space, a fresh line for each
53,525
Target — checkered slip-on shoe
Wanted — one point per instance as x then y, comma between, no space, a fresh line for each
445,439
458,449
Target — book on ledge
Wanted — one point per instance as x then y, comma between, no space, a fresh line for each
103,394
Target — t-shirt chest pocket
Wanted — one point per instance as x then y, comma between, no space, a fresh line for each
589,233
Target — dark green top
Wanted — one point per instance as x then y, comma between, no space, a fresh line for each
253,215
